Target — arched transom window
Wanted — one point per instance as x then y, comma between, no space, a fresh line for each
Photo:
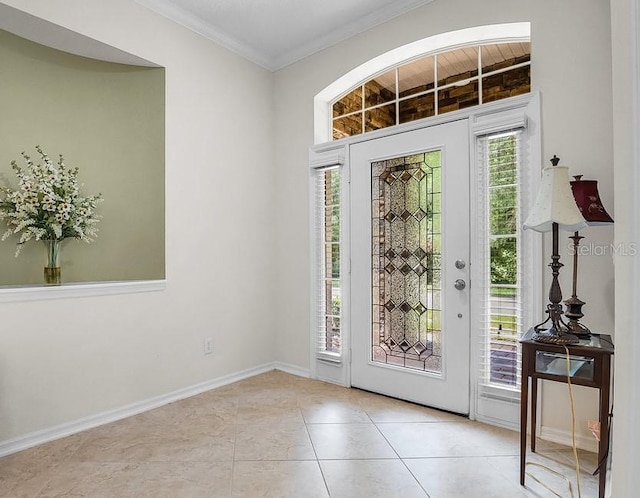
432,85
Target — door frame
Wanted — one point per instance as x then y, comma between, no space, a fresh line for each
482,119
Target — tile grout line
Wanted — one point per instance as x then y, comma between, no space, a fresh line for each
313,446
400,458
235,444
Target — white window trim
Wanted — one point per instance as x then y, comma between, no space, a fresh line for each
484,119
335,369
492,403
329,366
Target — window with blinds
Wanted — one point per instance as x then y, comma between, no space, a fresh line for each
328,252
502,254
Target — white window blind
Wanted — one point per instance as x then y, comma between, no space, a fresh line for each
503,286
328,251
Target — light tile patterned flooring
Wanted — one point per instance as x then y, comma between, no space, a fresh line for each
277,435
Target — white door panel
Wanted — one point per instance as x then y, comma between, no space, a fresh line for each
409,226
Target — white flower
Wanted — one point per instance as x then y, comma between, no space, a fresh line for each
47,204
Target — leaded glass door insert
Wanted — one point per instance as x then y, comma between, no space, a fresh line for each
406,326
409,224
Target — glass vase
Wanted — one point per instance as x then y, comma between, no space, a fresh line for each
52,270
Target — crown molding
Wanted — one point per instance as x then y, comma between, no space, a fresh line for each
179,15
194,23
380,16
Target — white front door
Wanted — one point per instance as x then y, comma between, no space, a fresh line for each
410,266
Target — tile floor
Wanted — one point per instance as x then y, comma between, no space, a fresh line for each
277,435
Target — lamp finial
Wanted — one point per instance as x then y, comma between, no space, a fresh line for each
555,160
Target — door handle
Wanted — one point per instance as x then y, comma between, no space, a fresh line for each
460,284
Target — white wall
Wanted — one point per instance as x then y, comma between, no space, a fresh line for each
571,64
625,21
65,359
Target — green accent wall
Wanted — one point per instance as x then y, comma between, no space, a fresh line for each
106,119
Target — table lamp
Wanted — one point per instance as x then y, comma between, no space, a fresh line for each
585,193
554,208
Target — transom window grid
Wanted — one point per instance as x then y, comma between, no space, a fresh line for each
328,192
433,85
406,255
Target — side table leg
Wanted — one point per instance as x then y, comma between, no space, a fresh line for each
524,398
603,447
534,412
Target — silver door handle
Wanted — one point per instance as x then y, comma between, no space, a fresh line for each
460,264
460,284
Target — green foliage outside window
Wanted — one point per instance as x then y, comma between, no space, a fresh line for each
503,210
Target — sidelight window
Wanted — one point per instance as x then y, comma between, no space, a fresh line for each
328,251
502,286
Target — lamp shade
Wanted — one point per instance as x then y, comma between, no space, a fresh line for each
585,193
555,203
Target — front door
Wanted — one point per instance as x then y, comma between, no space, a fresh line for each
410,266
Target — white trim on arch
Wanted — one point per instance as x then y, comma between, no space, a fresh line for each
494,33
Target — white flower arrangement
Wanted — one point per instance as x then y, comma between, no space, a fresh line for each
48,205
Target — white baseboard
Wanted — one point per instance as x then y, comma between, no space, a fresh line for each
36,438
587,443
292,369
498,422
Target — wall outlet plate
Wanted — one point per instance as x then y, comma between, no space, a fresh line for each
208,345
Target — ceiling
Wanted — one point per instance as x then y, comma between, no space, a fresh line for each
276,33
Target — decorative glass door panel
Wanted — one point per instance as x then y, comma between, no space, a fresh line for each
409,317
405,242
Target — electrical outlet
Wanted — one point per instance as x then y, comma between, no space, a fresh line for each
208,345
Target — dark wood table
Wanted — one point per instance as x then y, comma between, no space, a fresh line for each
590,366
